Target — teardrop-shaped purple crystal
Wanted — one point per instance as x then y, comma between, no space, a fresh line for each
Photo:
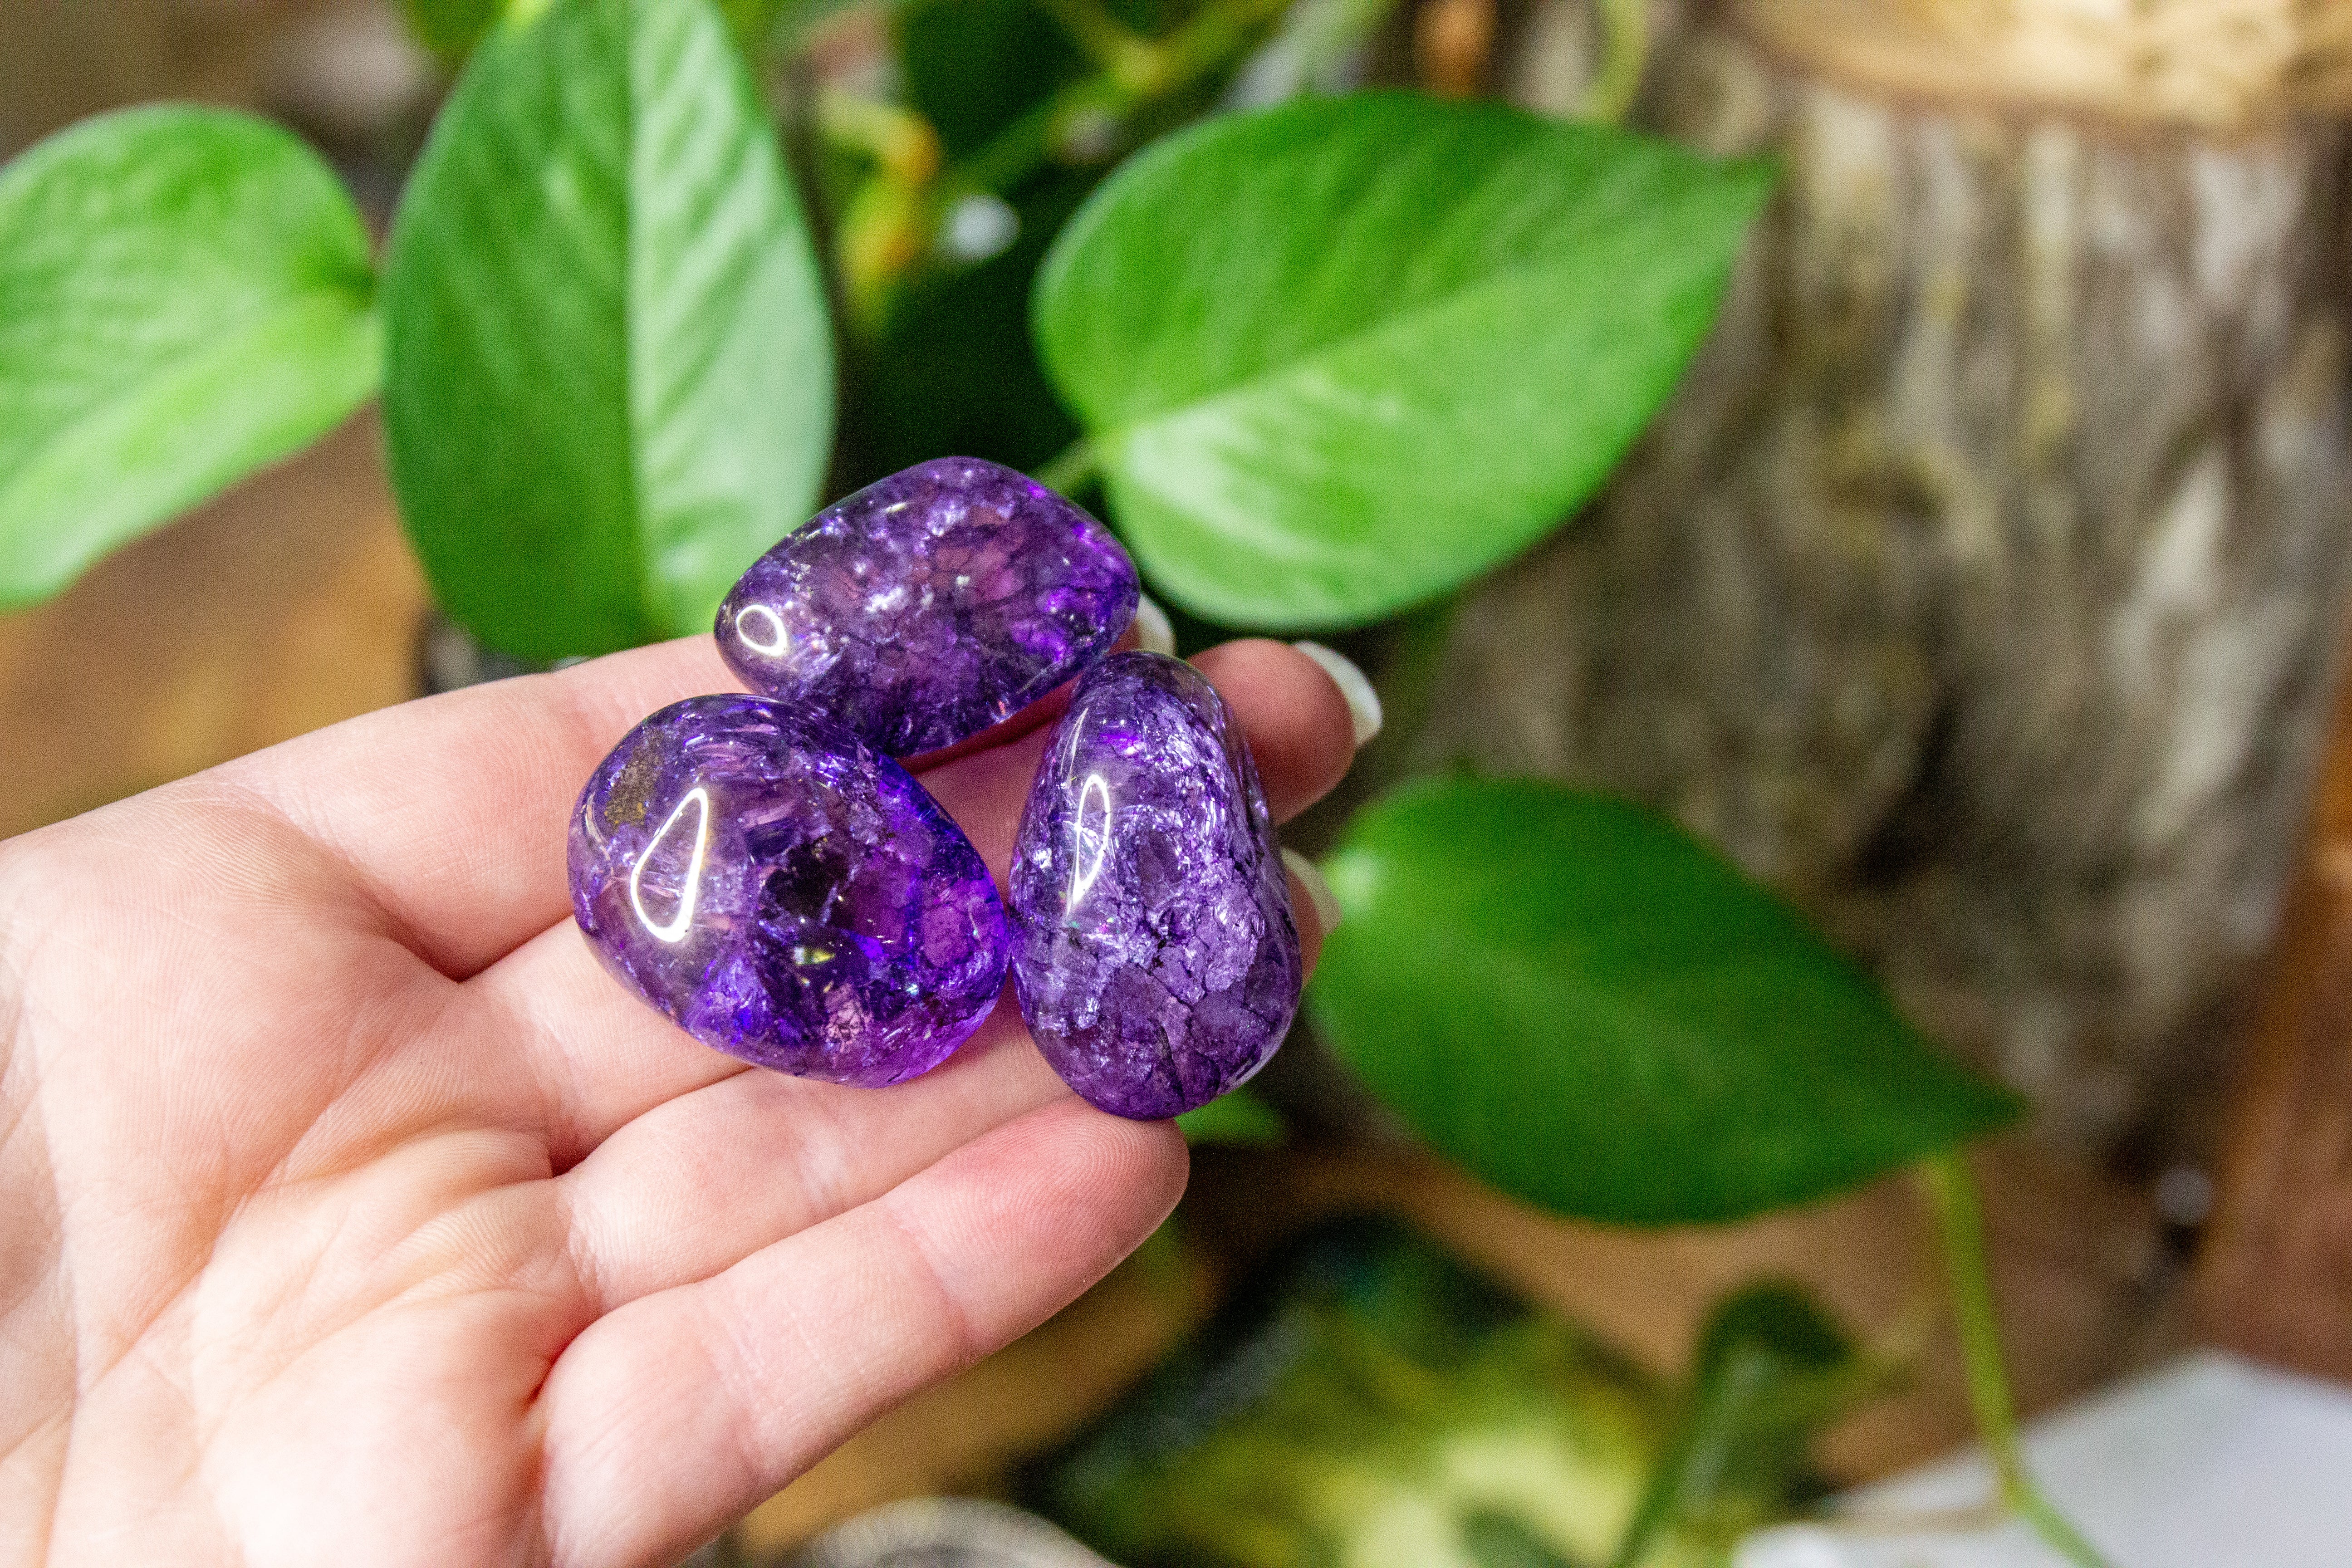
786,894
930,606
1156,957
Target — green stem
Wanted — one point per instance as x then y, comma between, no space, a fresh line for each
1961,1225
1211,39
1624,54
1071,470
1655,1509
1133,72
1114,48
899,140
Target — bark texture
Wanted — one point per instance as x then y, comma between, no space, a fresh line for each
1984,585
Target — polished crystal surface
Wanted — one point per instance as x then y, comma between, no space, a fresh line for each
786,893
930,606
1156,957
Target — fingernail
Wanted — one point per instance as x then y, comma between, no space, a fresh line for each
1318,891
1152,632
1363,702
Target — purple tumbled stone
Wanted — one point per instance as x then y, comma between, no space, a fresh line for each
786,893
1155,953
930,606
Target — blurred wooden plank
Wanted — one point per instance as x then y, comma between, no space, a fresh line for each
61,60
2275,1279
287,604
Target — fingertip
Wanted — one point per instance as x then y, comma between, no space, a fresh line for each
1131,1172
1313,905
1294,715
1153,632
1355,687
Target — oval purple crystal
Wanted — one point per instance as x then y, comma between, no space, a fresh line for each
930,606
786,894
1155,955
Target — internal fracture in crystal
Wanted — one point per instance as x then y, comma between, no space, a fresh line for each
1157,960
786,893
930,606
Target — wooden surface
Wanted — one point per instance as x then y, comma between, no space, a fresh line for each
2276,1276
61,60
288,604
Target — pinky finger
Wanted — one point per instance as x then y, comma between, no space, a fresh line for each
673,1415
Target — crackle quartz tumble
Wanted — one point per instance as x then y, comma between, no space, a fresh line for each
1155,956
930,606
786,894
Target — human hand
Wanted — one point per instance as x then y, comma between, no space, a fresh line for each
355,1215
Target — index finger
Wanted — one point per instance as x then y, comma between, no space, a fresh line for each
451,812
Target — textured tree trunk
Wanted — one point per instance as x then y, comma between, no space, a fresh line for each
1983,585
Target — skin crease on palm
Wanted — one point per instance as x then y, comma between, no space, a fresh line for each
353,1213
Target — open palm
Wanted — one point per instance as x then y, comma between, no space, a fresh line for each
352,1213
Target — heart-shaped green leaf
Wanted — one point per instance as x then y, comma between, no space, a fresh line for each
451,28
610,374
1341,356
186,295
1589,1008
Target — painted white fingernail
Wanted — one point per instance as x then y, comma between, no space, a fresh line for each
1152,632
1363,702
1318,891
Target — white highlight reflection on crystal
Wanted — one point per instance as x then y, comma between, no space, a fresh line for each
1085,872
774,642
674,929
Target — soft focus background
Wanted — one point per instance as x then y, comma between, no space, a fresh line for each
2076,787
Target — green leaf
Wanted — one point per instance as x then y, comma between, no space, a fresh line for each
1593,1010
1236,1117
610,374
451,28
1343,355
762,25
185,296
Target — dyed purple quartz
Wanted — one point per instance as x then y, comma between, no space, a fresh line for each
930,606
786,894
1156,957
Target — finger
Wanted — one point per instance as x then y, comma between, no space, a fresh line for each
1291,714
691,1187
675,1414
603,1059
456,842
1294,715
1312,904
450,812
588,1056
